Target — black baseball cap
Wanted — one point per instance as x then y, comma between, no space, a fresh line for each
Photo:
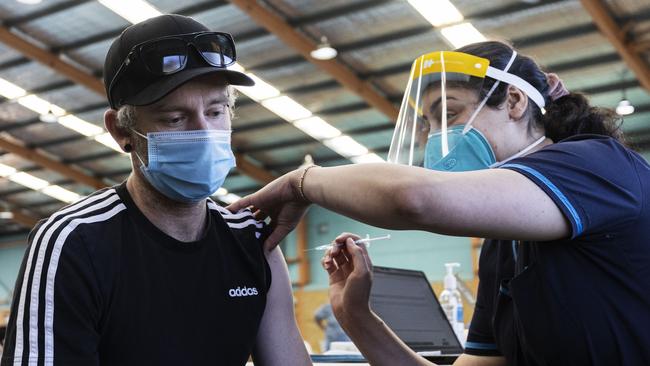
135,87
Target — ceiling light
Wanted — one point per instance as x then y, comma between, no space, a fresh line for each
134,11
221,192
462,34
48,117
6,215
40,106
60,193
6,170
317,128
324,51
10,90
260,91
29,2
624,108
437,12
29,181
346,146
367,158
77,124
286,108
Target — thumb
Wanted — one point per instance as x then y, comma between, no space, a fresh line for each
240,204
278,233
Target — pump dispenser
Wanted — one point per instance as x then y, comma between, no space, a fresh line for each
452,303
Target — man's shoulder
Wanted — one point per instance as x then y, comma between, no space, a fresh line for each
95,210
243,220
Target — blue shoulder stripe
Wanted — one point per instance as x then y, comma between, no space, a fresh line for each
478,345
555,190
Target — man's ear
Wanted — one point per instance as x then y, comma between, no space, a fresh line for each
120,135
516,103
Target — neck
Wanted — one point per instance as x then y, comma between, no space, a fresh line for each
185,222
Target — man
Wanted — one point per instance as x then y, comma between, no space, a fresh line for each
152,272
326,321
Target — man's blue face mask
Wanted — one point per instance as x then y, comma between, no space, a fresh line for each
188,166
470,151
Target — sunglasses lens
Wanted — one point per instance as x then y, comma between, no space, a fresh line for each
165,56
216,49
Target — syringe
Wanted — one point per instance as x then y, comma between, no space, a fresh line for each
365,240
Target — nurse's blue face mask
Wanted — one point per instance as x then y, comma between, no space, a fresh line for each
471,151
187,166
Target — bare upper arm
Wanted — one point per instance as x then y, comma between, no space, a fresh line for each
470,360
493,203
278,339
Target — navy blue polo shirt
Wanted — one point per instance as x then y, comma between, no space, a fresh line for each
583,300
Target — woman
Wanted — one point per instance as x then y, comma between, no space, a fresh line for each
565,279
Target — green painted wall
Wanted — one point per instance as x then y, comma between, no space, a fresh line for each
11,257
406,249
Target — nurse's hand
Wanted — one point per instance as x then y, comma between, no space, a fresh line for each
279,200
350,278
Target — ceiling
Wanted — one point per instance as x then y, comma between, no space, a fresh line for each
55,50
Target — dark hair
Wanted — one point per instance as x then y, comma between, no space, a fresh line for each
565,117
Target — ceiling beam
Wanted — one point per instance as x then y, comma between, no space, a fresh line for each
22,218
611,30
49,163
50,60
304,46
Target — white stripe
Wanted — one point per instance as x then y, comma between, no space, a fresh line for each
18,347
51,274
250,222
229,215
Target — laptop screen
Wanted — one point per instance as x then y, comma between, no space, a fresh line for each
405,301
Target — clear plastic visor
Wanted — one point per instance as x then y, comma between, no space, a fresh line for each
441,96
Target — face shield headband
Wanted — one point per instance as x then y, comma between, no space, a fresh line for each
433,73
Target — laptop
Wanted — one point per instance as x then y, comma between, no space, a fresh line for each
405,301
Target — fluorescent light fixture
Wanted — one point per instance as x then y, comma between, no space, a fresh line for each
346,146
10,90
286,108
6,215
260,91
40,106
437,12
29,181
60,193
462,34
229,198
77,124
317,128
367,158
107,140
134,11
30,2
6,170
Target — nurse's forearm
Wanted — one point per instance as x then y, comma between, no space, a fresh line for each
377,194
378,344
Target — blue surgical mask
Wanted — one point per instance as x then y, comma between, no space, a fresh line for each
470,151
188,166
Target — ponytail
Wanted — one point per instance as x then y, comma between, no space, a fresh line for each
572,115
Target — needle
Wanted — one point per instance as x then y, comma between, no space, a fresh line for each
365,240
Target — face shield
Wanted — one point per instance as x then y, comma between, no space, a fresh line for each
434,125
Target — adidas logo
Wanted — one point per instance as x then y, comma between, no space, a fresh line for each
240,292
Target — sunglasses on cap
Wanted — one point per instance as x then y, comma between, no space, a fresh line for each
168,55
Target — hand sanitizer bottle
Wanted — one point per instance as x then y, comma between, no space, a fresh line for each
452,303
